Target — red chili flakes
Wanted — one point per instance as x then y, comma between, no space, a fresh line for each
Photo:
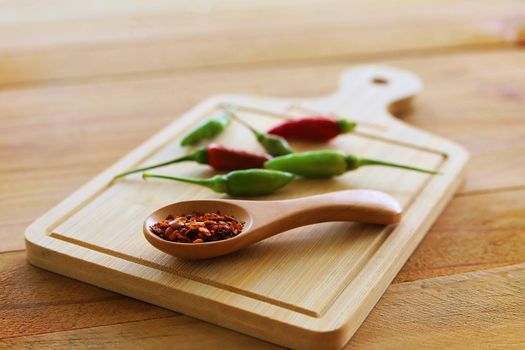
197,228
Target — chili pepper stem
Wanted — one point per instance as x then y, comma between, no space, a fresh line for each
203,182
346,125
371,125
248,126
365,161
273,144
158,165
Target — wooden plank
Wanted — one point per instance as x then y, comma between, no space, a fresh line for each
34,301
474,232
181,332
481,308
83,40
93,124
478,107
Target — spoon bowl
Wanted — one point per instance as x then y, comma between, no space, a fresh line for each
264,219
194,250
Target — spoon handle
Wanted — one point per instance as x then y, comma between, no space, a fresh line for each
365,206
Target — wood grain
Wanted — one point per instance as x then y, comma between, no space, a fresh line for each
481,309
180,332
34,301
474,232
484,112
58,39
96,123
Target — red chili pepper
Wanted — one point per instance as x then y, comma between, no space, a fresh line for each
218,157
316,129
225,158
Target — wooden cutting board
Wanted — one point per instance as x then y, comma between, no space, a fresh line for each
310,287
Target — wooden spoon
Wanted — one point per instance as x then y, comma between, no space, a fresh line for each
264,219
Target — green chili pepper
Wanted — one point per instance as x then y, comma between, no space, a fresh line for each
251,182
327,163
273,144
207,129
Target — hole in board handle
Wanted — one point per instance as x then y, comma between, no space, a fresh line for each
380,81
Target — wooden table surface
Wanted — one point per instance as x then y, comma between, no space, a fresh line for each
82,83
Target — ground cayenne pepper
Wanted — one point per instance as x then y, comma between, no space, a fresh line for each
197,228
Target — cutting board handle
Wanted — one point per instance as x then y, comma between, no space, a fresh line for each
391,91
